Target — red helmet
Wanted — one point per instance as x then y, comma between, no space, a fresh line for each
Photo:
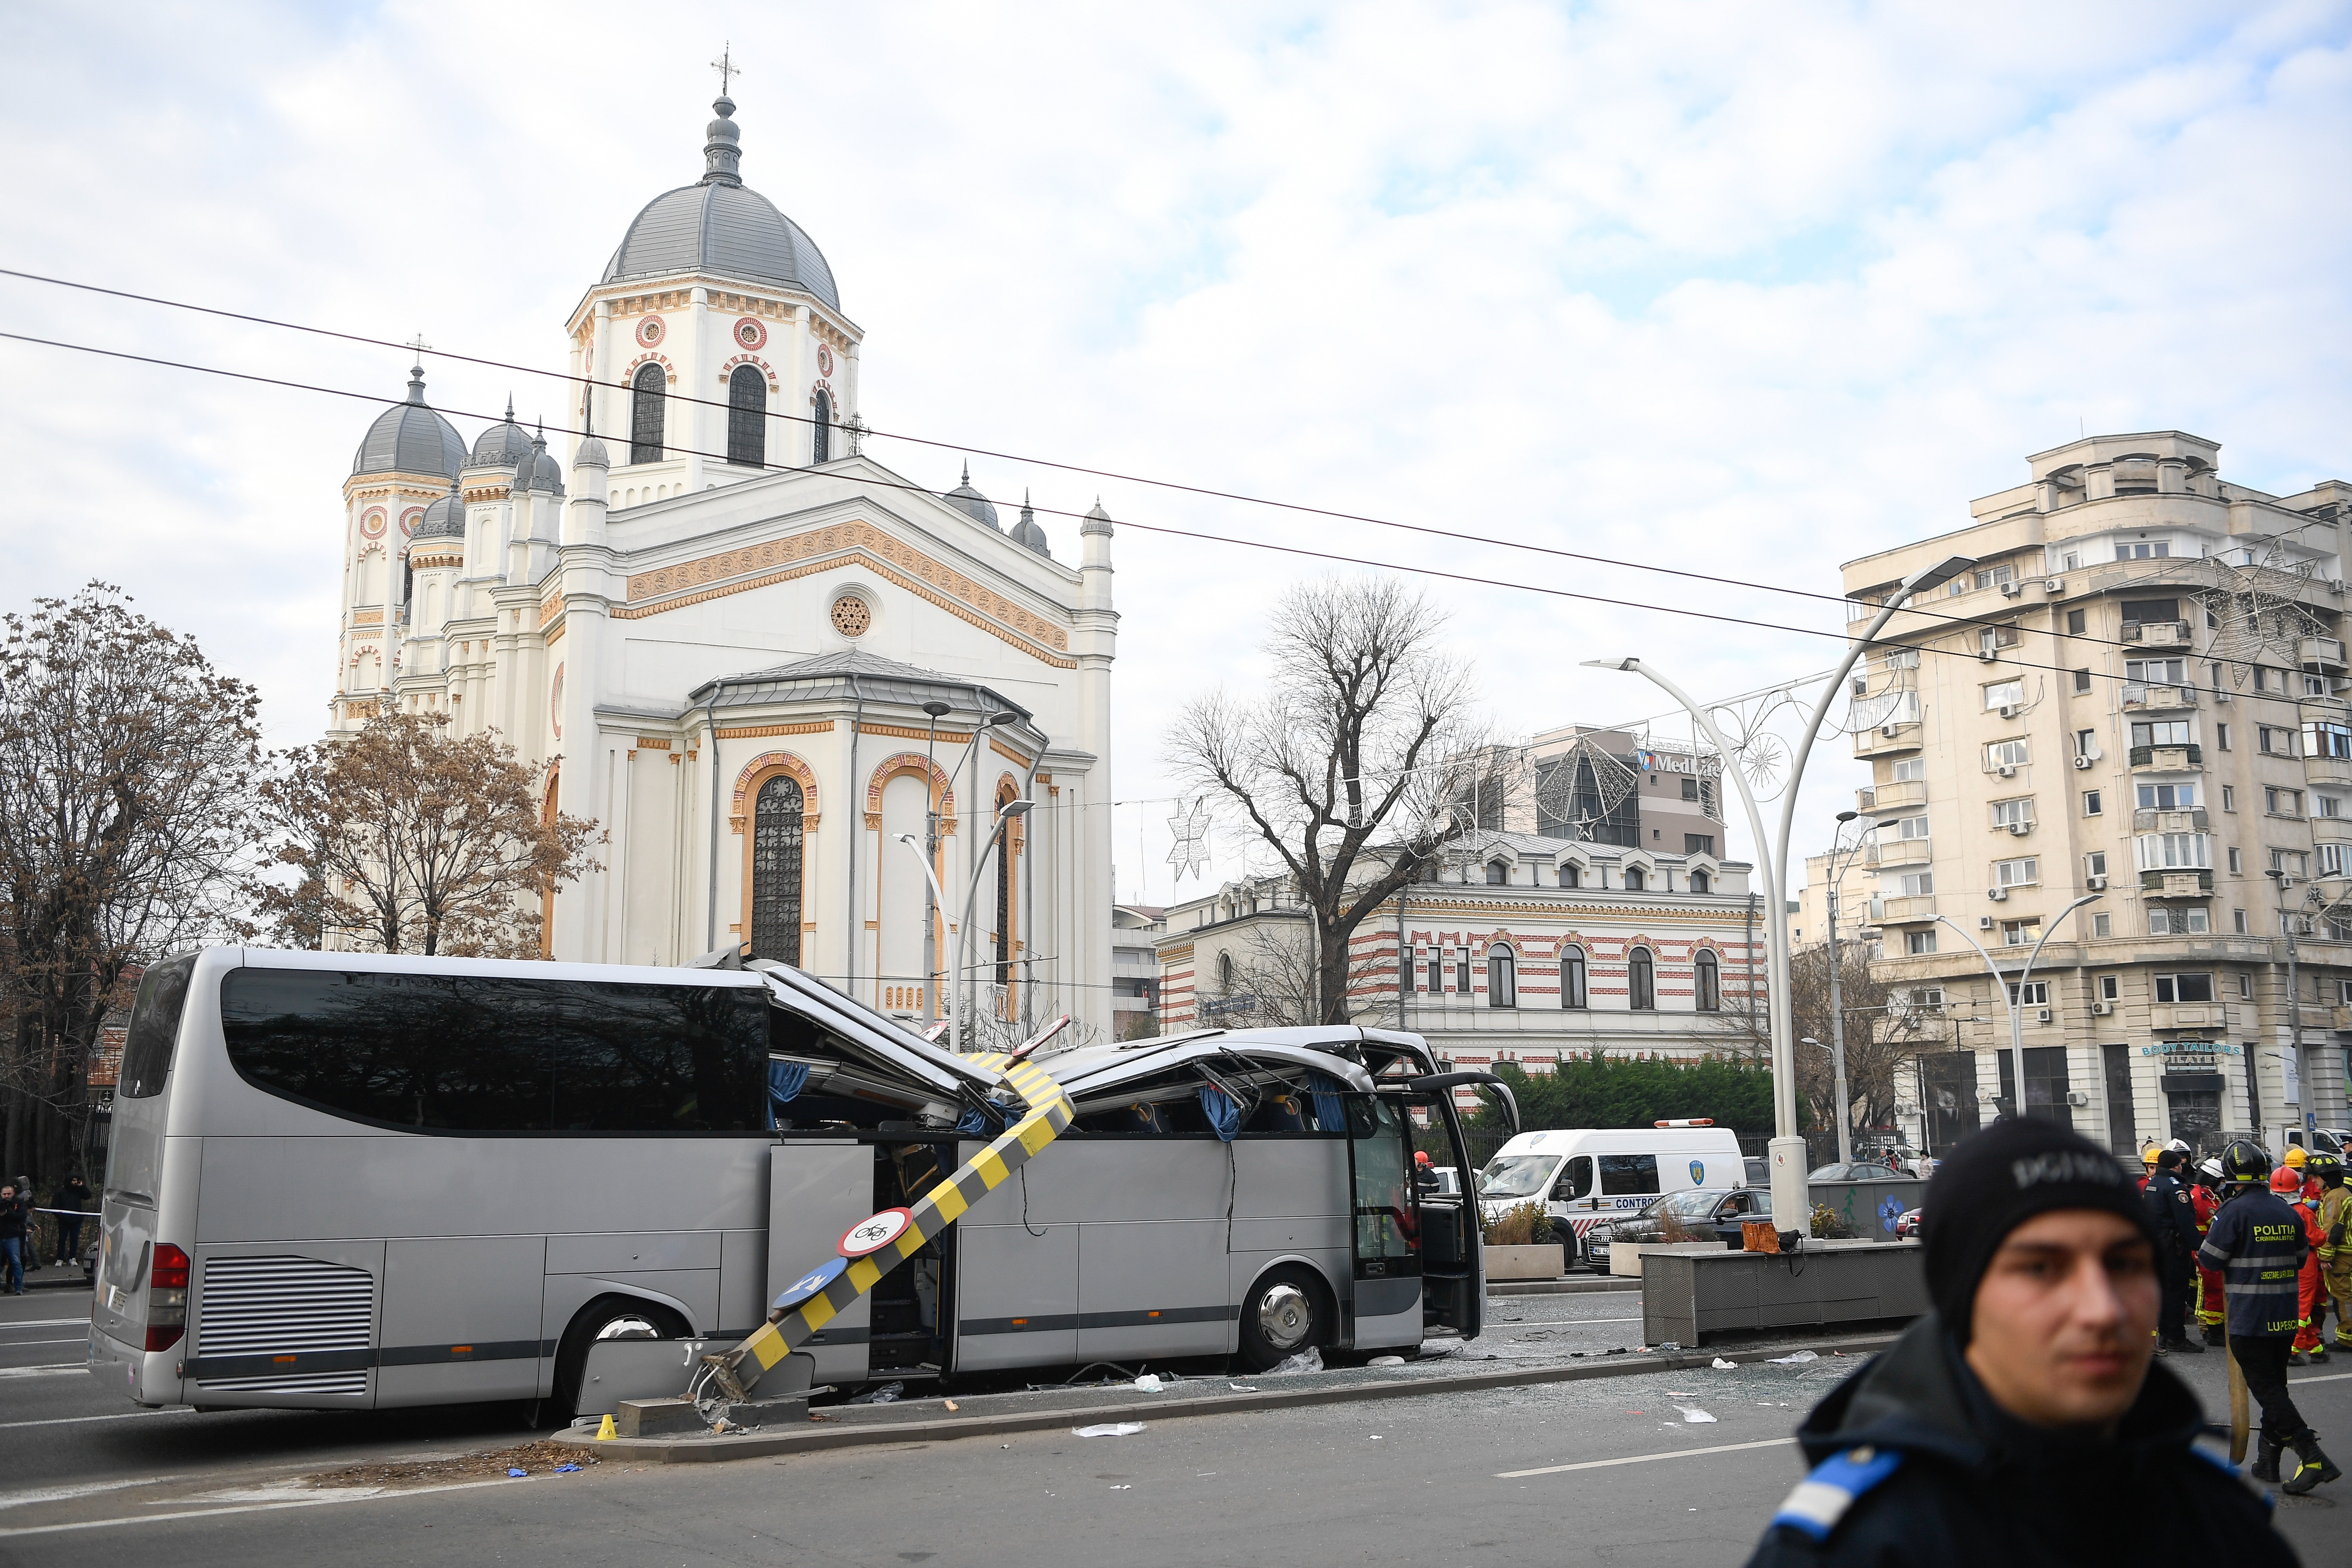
1421,1156
2286,1180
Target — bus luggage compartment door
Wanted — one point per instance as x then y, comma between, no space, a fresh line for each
818,1189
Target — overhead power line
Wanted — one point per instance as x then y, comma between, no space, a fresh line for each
1303,552
1327,513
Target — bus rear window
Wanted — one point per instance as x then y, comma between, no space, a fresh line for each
488,1054
154,1027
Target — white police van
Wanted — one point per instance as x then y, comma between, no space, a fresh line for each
1584,1176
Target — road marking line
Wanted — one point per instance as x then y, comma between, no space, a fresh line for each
58,1494
368,1496
49,1369
77,1420
1644,1458
2331,1377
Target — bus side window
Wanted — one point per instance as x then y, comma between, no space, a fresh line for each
1625,1175
1575,1180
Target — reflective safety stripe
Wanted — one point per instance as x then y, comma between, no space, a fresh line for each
1822,1498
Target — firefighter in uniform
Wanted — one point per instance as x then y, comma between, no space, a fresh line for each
2287,1186
2258,1242
2204,1201
2335,1248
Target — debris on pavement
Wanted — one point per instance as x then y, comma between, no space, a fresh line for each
1148,1384
886,1395
1692,1416
1308,1360
1722,1365
1109,1430
1386,1361
1796,1360
540,1456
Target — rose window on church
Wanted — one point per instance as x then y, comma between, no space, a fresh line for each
750,332
649,331
851,616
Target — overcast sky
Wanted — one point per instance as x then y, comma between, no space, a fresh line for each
1750,288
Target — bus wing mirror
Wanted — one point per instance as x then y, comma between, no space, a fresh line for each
1485,1082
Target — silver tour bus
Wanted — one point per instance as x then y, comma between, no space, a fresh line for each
349,1181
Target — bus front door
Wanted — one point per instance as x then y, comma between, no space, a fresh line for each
1454,1272
1386,1232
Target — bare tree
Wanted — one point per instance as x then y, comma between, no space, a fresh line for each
402,838
1351,765
1881,1032
128,767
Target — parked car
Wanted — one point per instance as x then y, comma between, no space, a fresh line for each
1909,1222
1448,1180
1760,1171
1860,1170
1702,1211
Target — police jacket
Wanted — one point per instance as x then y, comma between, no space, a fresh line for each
1915,1466
2256,1242
2170,1211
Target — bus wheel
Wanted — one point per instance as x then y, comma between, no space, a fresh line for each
606,1318
1285,1313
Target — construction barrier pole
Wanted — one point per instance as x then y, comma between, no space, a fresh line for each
1050,1114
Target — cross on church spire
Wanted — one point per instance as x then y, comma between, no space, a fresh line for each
727,69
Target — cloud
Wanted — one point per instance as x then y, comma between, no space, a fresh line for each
1753,290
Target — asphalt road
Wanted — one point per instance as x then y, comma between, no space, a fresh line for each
1612,1471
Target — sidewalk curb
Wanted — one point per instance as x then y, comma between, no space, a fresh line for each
1589,1285
705,1450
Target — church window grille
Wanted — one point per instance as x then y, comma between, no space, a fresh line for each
821,431
1004,911
646,414
851,616
747,418
1642,981
777,840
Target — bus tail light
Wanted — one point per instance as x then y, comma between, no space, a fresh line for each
167,1297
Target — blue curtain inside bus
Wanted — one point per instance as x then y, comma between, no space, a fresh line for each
785,1081
1325,1089
1224,1116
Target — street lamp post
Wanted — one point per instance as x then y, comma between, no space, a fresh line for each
958,1034
1837,998
1787,1147
2015,1004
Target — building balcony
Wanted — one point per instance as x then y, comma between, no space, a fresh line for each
2189,1016
1888,741
2176,884
2331,830
2156,634
2157,698
2321,653
2167,759
1919,910
1902,795
1890,853
2325,771
2191,821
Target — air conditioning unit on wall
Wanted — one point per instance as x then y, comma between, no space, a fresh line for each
2054,585
2007,770
2084,761
2042,1015
2010,709
2021,829
2096,884
2011,590
1984,922
2103,1008
1998,895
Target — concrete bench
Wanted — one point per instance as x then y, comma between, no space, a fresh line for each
1692,1294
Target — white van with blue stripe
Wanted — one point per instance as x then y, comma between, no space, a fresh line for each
1584,1176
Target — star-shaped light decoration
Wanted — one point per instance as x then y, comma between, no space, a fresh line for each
1190,825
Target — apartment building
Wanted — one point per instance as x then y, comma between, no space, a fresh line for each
2136,691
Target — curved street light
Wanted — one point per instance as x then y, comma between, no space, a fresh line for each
2016,1013
1787,1147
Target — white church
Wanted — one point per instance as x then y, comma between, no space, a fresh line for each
760,659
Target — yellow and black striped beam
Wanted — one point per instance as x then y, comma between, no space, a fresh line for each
1049,1116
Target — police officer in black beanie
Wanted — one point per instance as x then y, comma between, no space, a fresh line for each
2023,1420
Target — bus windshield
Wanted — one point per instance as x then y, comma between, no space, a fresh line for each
1516,1175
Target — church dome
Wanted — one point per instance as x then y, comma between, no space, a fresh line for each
970,502
721,227
445,518
538,471
410,438
503,445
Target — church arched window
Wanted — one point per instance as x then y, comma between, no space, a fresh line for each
645,415
747,417
821,432
777,839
